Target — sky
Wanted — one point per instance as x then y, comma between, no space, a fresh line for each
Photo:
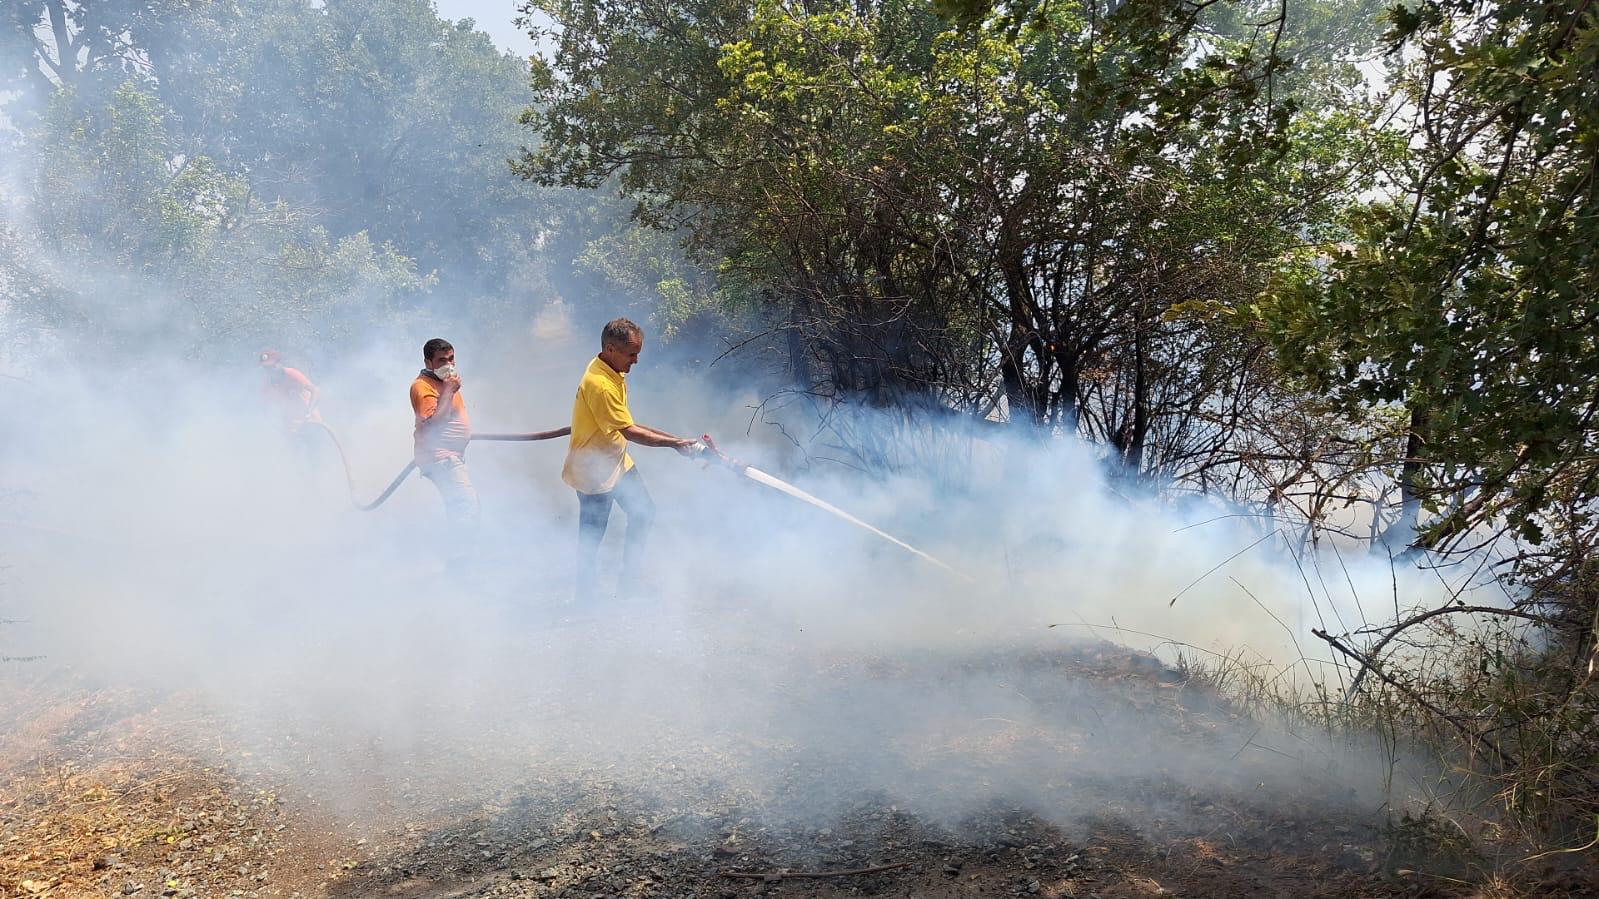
492,16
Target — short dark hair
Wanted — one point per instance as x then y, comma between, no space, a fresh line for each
619,331
434,347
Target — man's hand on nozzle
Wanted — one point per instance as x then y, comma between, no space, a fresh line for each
689,448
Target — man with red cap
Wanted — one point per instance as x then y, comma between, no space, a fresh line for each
290,391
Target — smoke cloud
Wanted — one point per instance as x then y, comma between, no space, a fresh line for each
172,539
163,533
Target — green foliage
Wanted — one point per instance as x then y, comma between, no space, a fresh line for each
89,47
964,218
648,266
1461,302
377,112
110,177
1468,295
272,167
112,186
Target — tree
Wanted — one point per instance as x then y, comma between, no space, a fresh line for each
380,114
85,47
376,113
128,239
1466,297
966,220
204,144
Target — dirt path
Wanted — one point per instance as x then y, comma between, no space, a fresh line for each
122,793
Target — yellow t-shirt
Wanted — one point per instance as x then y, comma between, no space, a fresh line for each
597,455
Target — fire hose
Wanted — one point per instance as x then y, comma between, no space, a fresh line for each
705,449
349,476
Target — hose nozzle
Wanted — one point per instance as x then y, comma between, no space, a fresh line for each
711,454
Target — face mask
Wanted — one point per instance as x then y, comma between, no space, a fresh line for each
445,372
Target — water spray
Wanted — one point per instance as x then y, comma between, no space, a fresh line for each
706,448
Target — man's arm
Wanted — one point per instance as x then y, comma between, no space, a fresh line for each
648,436
429,407
308,390
611,413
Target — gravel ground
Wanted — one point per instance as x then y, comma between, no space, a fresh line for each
116,792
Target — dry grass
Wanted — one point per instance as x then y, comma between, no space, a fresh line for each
95,801
1506,795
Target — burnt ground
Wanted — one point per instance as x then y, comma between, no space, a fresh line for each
122,792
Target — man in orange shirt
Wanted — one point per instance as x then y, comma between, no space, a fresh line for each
598,466
290,390
443,430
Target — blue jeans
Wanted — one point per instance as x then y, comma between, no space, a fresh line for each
594,513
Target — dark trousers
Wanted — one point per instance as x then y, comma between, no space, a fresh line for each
594,513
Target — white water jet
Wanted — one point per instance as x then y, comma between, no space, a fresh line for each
761,477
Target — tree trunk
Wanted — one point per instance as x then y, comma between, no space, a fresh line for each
799,364
66,67
1028,401
1134,457
1403,532
1012,364
1066,408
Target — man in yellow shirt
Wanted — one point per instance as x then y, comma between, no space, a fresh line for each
598,466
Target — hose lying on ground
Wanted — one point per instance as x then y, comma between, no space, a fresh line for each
349,477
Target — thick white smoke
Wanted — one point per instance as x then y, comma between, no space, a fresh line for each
172,539
161,532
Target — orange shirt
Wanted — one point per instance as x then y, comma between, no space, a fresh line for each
441,440
292,392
